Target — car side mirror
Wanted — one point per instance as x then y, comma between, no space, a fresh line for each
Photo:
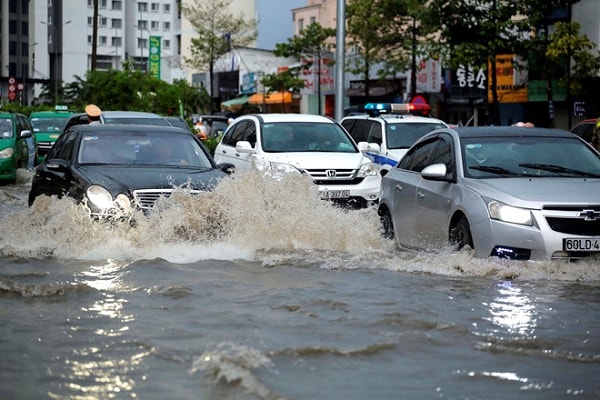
435,172
25,133
243,146
364,147
56,164
228,168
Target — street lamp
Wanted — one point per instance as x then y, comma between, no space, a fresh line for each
54,42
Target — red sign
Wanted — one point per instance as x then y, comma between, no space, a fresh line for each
12,96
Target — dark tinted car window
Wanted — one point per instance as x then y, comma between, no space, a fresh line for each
63,148
236,133
417,158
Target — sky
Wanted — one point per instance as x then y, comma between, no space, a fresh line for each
275,23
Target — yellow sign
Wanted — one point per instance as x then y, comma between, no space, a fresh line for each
511,80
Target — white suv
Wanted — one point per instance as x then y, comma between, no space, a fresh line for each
389,130
309,144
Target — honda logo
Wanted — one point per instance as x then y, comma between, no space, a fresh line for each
590,215
330,173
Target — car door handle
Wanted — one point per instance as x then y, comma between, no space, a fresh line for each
398,188
421,195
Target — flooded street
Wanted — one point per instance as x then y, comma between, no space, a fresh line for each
261,291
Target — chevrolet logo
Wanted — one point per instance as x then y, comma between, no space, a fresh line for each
589,215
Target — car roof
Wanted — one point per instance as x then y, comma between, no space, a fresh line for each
53,114
483,131
110,128
130,114
397,118
283,117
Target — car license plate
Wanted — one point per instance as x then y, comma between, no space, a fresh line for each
334,194
570,244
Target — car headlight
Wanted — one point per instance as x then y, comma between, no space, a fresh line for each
505,213
283,168
99,197
7,153
367,169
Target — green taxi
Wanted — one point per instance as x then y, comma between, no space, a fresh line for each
47,127
18,147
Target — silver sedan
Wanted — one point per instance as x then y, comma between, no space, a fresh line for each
518,193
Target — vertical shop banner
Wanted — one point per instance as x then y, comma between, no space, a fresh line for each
154,57
511,79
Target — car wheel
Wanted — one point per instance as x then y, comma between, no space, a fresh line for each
460,234
387,227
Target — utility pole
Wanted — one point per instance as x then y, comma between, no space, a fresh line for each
95,36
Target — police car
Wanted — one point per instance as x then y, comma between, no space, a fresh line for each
390,129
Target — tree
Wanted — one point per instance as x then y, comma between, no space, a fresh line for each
364,19
132,89
308,46
282,82
474,32
403,36
218,31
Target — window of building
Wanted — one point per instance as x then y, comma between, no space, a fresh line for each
116,41
313,20
166,26
155,7
12,27
154,25
142,43
102,40
300,24
89,39
117,5
117,23
166,44
102,22
142,7
142,24
90,21
102,3
166,8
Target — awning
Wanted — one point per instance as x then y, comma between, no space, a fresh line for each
271,98
235,104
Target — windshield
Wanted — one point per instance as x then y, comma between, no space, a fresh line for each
48,124
306,137
403,135
537,156
123,148
6,130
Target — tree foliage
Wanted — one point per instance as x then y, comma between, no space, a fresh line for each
132,89
566,44
217,32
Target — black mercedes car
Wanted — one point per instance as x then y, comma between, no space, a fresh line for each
117,168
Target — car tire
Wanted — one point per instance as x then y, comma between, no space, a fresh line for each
387,226
460,234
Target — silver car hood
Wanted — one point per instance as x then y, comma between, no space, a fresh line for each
534,192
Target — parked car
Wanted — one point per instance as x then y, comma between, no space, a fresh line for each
178,122
116,168
47,126
390,129
584,129
519,193
215,125
18,147
308,144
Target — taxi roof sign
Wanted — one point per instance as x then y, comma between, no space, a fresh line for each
375,109
60,107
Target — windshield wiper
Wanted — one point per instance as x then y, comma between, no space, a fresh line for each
559,169
493,169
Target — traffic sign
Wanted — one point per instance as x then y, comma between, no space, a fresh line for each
20,86
12,80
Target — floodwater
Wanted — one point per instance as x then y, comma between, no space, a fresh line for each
261,291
